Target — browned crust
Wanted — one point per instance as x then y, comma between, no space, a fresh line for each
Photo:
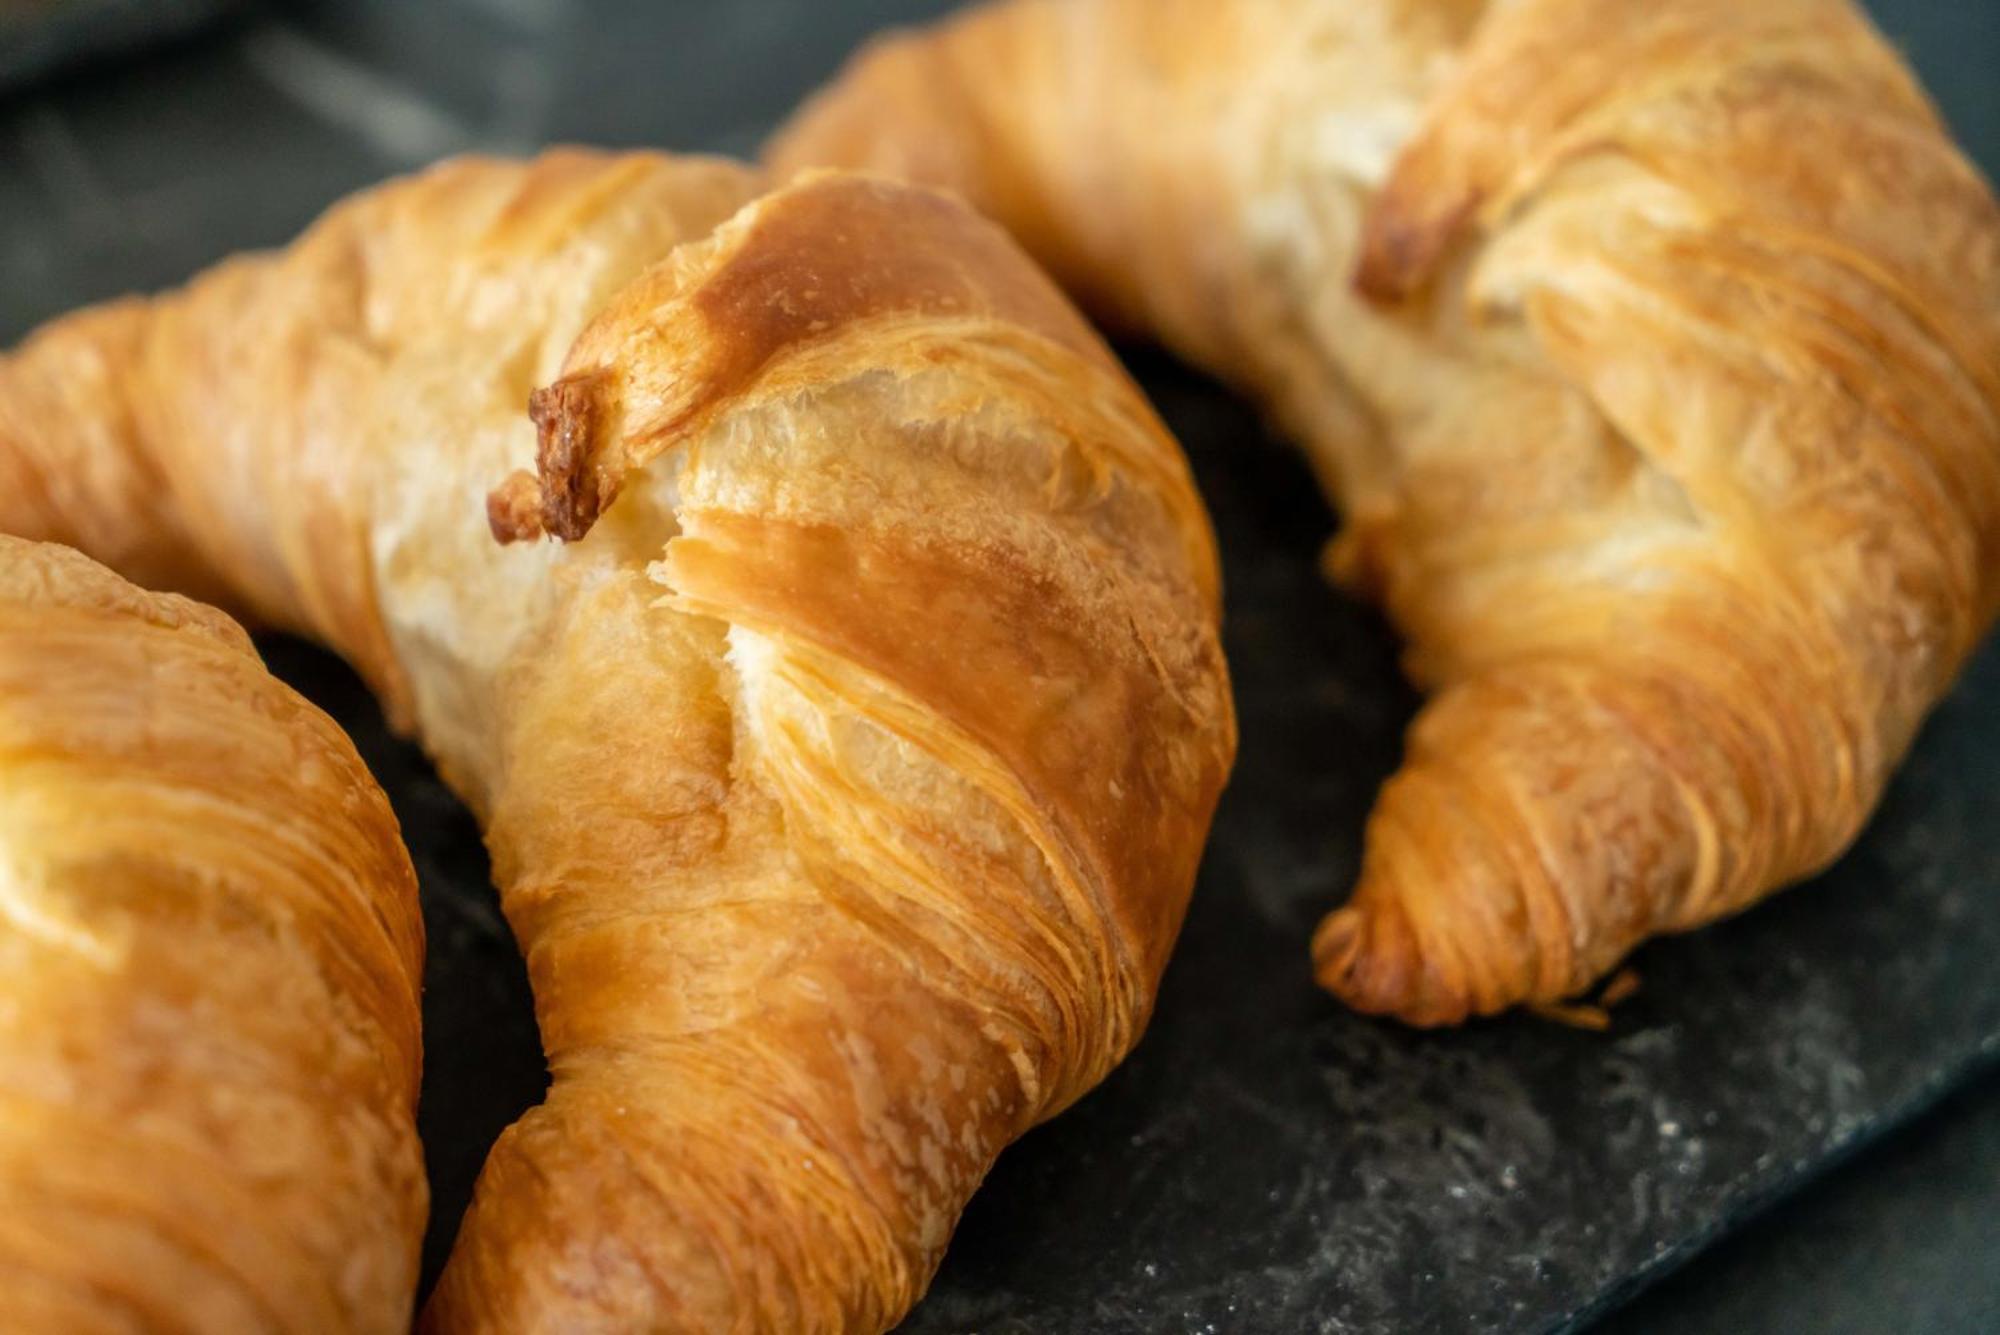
805,265
1723,262
1404,236
1108,732
514,508
223,933
798,994
568,421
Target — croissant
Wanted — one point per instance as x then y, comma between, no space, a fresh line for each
210,953
846,768
1651,352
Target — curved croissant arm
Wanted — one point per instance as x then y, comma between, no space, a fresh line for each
845,771
210,953
1652,355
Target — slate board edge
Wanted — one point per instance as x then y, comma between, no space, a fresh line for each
1783,1182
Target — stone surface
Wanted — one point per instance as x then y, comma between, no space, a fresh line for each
1264,1162
1902,1240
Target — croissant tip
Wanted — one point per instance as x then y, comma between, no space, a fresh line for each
1353,960
1368,958
1335,946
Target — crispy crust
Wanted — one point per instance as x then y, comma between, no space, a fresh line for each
1650,352
209,973
846,767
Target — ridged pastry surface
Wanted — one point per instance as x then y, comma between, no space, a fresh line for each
210,955
845,768
1649,352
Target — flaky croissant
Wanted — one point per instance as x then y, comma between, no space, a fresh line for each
845,775
210,952
1651,351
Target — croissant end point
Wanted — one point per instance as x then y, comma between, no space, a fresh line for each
1336,947
1369,958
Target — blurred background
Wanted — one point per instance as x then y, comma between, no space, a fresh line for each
143,137
142,140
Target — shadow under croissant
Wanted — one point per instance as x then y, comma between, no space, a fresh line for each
483,1064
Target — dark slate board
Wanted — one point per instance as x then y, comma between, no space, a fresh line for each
1264,1162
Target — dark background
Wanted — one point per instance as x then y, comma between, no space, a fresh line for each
1264,1162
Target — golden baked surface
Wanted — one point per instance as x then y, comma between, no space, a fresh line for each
845,773
1651,352
210,954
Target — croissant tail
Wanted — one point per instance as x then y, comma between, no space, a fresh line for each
1647,351
1552,814
807,1173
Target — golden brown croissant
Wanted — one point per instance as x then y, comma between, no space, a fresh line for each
1651,351
210,953
845,776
